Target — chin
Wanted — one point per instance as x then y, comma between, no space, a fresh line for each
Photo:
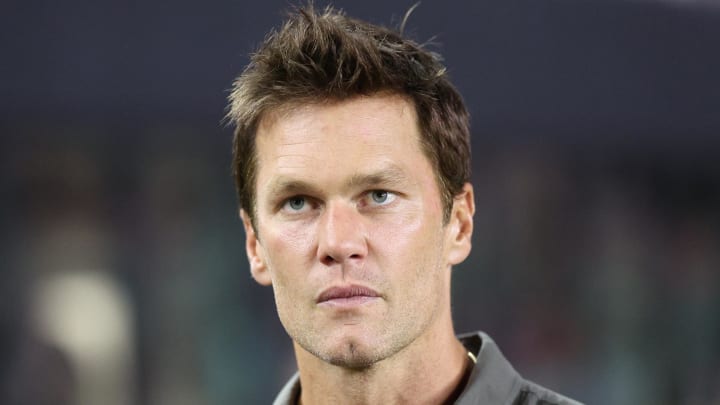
352,357
349,354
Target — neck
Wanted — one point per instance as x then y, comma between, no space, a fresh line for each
428,371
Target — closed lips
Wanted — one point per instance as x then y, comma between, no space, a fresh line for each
346,292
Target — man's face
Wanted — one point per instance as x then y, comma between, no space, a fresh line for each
350,229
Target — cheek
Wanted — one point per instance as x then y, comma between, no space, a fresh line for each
418,222
288,249
409,240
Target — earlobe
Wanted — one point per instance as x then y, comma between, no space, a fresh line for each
461,225
255,252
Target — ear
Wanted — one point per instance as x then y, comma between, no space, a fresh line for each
255,252
460,226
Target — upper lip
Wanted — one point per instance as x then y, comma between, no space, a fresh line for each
348,291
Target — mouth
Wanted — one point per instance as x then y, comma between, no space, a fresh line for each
347,296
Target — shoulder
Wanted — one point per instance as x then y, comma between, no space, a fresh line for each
495,381
534,394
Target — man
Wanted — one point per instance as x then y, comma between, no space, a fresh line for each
352,164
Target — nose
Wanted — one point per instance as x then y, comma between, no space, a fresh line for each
341,237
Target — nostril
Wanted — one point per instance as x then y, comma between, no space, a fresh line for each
328,260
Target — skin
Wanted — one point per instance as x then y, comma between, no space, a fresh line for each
346,197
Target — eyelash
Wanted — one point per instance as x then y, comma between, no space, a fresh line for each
390,196
368,195
285,205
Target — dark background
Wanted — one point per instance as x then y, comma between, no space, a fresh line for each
596,148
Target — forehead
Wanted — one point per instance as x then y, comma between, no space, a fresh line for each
379,124
380,106
332,142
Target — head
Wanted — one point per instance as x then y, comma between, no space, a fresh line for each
351,157
320,58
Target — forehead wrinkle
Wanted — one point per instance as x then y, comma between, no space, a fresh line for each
290,154
288,133
391,175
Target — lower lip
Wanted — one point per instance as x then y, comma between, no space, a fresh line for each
349,302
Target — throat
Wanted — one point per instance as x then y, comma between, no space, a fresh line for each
424,378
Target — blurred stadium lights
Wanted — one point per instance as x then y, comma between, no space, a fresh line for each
88,316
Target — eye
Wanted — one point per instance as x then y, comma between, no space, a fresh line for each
381,197
296,203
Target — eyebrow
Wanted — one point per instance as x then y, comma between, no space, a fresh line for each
388,176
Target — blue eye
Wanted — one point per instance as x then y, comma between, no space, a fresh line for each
381,197
295,203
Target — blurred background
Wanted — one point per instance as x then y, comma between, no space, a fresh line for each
596,259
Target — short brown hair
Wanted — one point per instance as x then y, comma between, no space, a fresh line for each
327,57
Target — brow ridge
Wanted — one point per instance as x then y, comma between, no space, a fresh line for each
389,176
